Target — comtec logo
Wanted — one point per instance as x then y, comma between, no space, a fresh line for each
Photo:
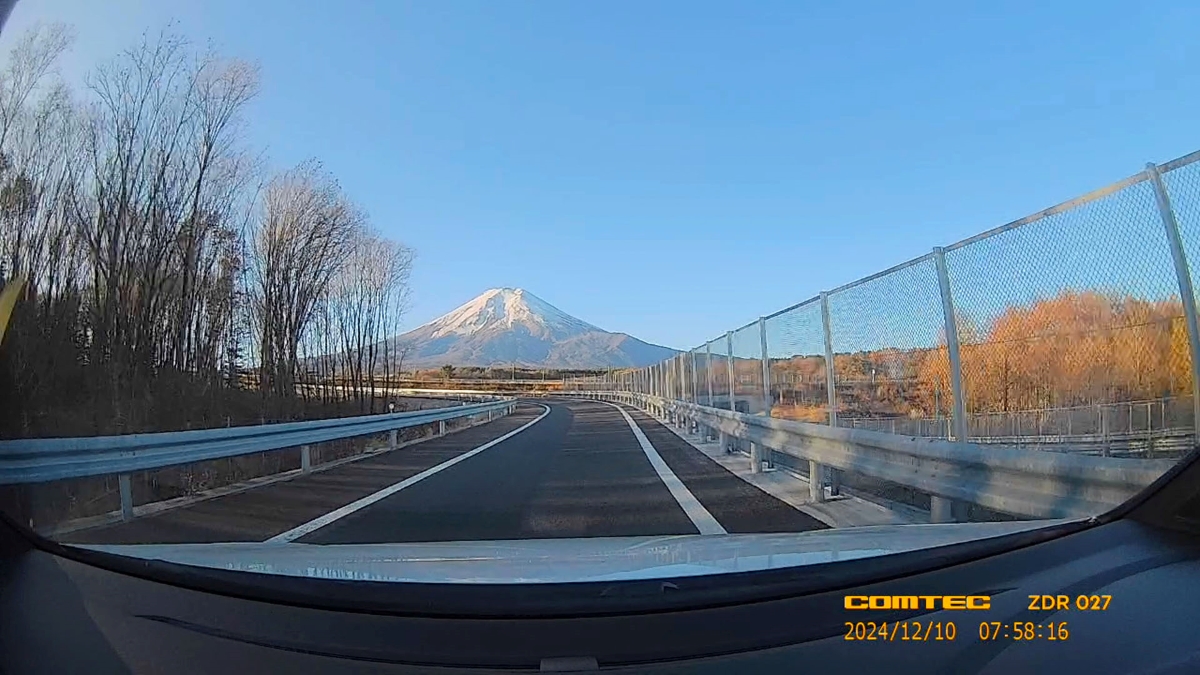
934,602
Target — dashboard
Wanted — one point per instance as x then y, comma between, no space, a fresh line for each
1112,597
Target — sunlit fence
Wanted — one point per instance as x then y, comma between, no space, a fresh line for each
1073,329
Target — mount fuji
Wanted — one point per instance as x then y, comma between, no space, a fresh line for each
506,326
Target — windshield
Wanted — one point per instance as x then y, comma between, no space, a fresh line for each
464,293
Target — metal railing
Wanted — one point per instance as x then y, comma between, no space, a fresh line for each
1023,483
1026,335
40,460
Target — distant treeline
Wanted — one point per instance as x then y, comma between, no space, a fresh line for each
501,373
1076,348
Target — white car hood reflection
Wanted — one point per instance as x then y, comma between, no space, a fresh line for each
569,560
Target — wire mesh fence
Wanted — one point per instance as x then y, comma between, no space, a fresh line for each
747,369
885,333
703,375
720,371
799,376
1076,308
1069,332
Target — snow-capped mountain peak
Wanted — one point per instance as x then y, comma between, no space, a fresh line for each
508,309
512,325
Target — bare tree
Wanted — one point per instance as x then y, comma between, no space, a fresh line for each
304,238
368,299
28,65
159,265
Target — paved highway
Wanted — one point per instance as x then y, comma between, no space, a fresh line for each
558,468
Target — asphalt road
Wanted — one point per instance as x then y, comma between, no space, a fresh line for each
266,511
578,471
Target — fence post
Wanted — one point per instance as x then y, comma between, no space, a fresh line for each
766,366
673,390
305,459
708,371
660,384
1104,430
681,370
681,374
729,366
695,384
816,472
126,489
1183,276
693,425
943,512
766,380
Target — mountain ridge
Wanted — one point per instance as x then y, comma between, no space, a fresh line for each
511,326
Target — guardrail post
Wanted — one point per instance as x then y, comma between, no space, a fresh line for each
1183,277
940,509
305,459
442,428
393,440
757,452
125,487
944,512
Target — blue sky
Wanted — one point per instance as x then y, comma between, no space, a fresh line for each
676,169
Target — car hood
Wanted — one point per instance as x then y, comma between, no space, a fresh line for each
569,560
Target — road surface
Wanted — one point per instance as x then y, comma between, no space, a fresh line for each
555,468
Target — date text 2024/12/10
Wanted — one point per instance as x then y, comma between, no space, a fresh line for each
947,631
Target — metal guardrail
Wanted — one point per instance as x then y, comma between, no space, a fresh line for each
38,460
1027,483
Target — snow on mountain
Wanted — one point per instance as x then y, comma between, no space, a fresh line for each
503,326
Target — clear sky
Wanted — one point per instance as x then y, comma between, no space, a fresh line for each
676,169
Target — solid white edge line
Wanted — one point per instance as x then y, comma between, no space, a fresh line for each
317,523
701,518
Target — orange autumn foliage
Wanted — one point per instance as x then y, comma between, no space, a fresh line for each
1075,348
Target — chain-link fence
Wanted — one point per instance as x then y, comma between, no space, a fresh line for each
720,371
885,334
1072,329
747,369
1074,307
798,373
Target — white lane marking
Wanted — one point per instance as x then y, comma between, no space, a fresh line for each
701,518
317,523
